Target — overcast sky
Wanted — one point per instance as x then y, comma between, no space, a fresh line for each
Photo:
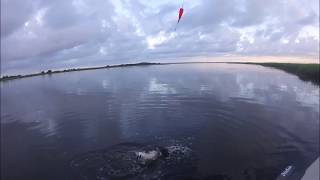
41,34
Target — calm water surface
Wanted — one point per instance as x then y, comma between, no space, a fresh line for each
242,121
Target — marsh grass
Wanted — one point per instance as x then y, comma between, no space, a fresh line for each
306,72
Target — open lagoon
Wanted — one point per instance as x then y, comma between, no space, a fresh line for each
241,121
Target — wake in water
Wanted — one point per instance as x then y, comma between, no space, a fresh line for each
136,161
147,162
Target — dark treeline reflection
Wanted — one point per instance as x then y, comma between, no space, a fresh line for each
239,119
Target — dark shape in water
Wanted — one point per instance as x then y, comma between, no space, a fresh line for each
136,161
144,162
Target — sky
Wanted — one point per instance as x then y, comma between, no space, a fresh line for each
38,35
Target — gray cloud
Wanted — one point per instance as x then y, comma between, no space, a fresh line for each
14,14
42,34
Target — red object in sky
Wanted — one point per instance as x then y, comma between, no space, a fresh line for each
180,14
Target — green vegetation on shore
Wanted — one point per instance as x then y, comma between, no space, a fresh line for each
306,72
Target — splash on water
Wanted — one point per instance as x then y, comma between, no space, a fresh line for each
135,161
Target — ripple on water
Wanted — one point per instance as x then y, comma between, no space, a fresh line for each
135,161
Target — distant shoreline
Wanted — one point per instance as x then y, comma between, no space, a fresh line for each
50,72
306,72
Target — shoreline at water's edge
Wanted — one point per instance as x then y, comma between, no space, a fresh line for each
50,72
306,72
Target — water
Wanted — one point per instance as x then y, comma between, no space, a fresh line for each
241,121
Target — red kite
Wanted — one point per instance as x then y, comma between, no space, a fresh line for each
180,14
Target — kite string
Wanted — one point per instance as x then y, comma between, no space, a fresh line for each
175,29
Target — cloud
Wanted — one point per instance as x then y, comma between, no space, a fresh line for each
40,34
14,13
